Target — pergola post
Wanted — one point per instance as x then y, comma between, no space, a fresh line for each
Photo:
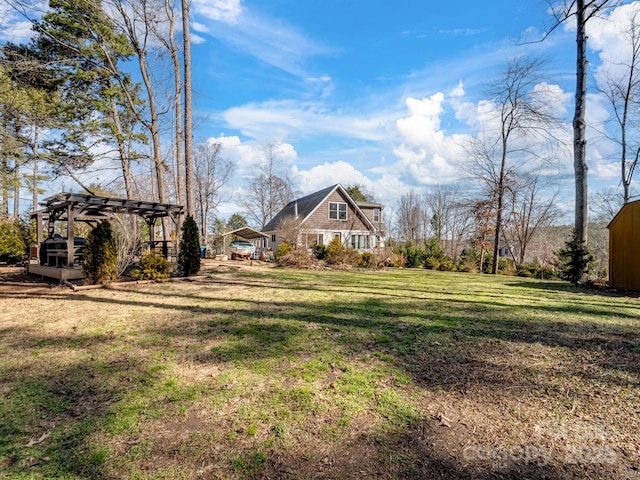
70,237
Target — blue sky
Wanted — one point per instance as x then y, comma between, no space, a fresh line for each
376,92
332,81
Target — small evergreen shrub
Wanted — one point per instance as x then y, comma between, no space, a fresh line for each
367,259
573,260
100,263
320,251
12,241
152,266
432,263
189,253
337,254
447,265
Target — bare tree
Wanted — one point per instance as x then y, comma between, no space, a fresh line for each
136,21
188,115
211,174
529,210
448,217
622,89
583,11
411,218
498,155
167,37
606,203
269,190
289,229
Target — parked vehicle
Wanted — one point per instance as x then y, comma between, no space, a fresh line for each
241,249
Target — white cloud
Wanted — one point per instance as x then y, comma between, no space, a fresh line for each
425,155
227,11
199,27
458,91
288,118
16,25
271,40
197,39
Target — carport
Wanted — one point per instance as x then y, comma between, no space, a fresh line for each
259,239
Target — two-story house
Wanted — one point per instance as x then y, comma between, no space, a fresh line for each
327,214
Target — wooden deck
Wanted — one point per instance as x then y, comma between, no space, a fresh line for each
60,273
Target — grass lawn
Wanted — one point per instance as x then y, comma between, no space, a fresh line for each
271,373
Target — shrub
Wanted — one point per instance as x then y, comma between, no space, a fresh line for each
12,241
573,260
432,263
283,249
414,256
152,266
189,254
295,258
367,259
334,251
100,255
320,251
506,266
447,265
337,254
533,270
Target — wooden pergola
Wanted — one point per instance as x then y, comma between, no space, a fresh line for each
75,207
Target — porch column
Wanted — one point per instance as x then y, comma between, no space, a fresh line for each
70,237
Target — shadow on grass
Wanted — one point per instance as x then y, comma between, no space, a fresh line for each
49,418
444,342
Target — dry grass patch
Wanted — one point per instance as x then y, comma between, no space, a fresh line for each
271,373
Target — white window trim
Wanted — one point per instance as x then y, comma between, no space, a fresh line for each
346,210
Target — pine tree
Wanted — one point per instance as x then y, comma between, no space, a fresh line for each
189,255
573,260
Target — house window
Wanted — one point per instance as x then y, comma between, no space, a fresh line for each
376,215
273,237
378,241
337,211
320,239
360,242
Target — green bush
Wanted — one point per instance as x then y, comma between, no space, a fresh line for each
12,241
432,263
573,260
100,263
320,251
337,254
152,266
533,270
447,265
189,253
282,250
334,251
367,259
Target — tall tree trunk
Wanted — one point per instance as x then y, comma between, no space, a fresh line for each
579,127
499,208
122,151
4,173
34,187
16,189
177,104
188,114
153,124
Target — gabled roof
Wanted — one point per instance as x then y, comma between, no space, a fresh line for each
246,232
624,207
303,207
